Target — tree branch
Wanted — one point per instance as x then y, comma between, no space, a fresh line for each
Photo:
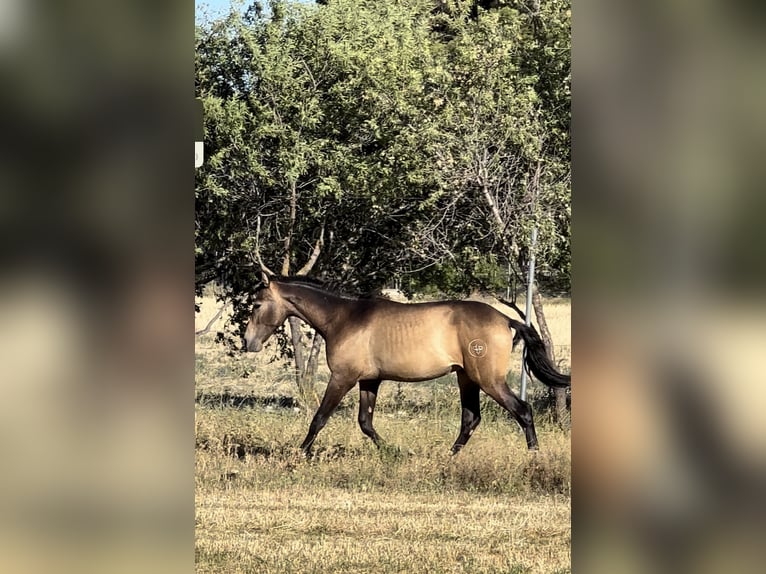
314,254
211,322
258,249
291,228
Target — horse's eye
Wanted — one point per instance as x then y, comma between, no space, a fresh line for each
256,306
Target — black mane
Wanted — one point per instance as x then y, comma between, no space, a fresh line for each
303,279
330,286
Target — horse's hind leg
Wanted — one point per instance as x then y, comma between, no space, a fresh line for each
519,410
336,390
368,394
471,416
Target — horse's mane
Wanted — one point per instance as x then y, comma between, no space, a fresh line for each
334,287
305,280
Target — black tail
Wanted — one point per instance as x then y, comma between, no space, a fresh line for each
537,359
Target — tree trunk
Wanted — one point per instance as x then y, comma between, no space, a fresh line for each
299,357
309,377
560,412
545,333
305,366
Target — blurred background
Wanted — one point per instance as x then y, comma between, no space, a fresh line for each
96,335
668,322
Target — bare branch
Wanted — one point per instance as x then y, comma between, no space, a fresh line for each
308,71
314,254
211,322
258,249
291,228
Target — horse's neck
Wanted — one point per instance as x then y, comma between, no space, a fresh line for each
315,306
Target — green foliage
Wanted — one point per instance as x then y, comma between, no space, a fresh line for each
406,135
502,144
449,280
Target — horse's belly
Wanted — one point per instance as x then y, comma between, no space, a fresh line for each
420,366
415,348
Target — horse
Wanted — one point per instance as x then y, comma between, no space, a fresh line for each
368,340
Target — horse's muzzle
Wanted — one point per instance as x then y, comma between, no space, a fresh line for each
253,346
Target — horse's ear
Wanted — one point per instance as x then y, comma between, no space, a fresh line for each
265,277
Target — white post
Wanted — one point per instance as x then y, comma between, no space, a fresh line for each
528,321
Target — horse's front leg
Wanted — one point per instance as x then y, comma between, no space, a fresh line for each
336,390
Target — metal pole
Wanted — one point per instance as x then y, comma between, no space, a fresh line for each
528,321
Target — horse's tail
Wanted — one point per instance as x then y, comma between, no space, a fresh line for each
536,358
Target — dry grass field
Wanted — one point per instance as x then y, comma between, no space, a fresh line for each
409,507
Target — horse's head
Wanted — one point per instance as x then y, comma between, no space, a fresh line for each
269,313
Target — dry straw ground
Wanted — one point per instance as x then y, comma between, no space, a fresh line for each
409,507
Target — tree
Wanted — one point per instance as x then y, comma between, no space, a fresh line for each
500,148
371,141
309,120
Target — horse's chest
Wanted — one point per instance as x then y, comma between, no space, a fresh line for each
349,353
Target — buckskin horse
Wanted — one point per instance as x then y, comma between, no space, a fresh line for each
369,340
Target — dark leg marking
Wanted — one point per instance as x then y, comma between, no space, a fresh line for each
368,394
519,410
336,390
471,416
